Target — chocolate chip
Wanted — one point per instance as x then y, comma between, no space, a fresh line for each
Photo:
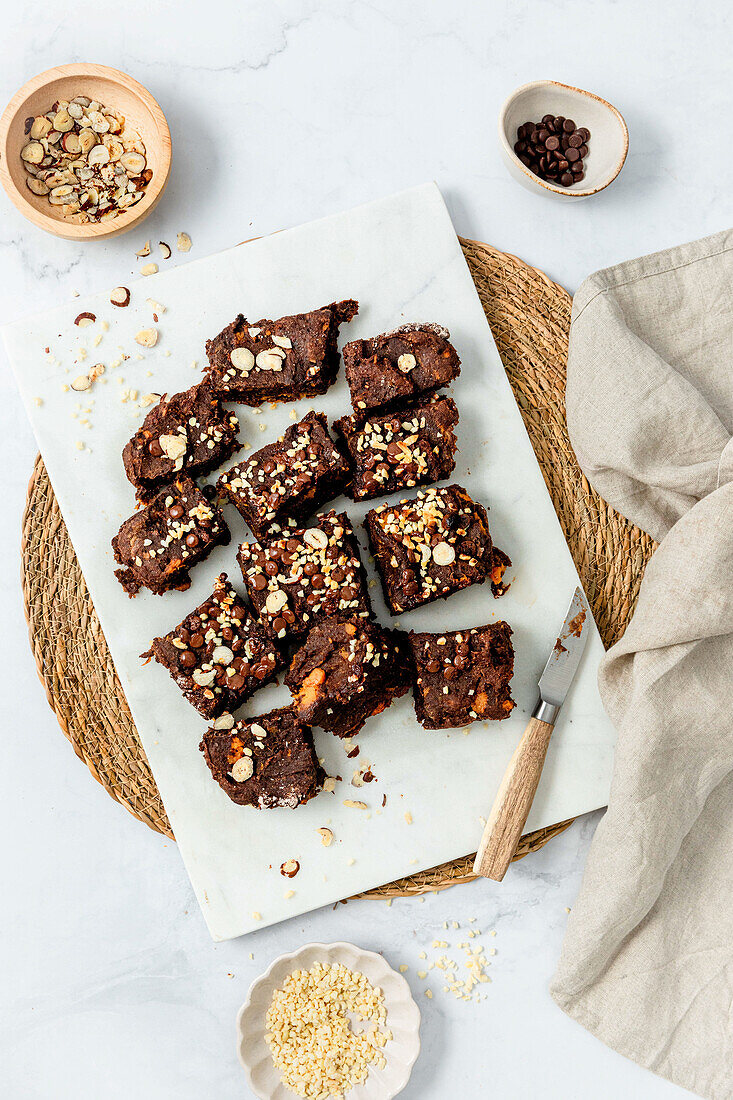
552,149
236,682
187,659
176,511
197,640
154,448
259,582
192,539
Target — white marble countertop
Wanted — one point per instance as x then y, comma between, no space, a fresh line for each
281,113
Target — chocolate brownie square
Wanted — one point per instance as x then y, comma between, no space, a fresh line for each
158,544
310,574
429,547
189,432
413,359
265,762
345,672
289,479
279,360
219,655
463,675
413,445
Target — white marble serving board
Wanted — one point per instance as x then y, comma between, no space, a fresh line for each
400,257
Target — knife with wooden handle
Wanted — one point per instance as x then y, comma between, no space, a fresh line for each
514,798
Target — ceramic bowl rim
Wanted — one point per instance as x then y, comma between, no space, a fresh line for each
551,187
335,946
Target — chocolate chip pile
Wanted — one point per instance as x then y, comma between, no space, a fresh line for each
554,149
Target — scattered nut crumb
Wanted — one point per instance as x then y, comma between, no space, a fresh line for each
120,296
256,915
355,805
289,894
147,337
84,319
145,250
289,868
165,250
148,269
408,818
156,307
37,400
82,382
326,836
183,242
404,968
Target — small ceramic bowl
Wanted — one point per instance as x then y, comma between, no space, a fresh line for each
403,1020
115,90
607,148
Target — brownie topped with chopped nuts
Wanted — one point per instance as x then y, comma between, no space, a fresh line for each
265,762
219,655
429,547
288,480
189,432
345,672
463,675
413,359
158,544
296,356
413,445
306,576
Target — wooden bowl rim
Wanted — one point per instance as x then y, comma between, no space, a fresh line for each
88,230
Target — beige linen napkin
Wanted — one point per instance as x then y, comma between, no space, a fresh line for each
647,962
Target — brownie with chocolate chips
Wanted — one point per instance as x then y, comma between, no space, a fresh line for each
286,481
345,672
305,576
413,359
413,445
463,675
219,655
189,432
430,546
265,762
158,544
296,356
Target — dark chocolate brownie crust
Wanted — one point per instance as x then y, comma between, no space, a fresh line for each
265,762
188,432
414,445
429,547
289,479
158,544
306,576
345,672
463,675
414,359
279,360
219,655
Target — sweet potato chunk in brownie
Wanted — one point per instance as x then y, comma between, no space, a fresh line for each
345,672
310,574
413,445
289,479
414,359
264,762
429,547
219,655
158,544
189,432
463,675
297,356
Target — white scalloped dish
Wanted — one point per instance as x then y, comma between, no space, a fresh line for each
403,1020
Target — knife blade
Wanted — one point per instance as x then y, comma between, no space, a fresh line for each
514,798
562,664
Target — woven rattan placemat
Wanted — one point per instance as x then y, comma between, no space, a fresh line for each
530,318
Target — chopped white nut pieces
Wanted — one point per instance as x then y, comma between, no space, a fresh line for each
148,269
310,1035
326,836
183,242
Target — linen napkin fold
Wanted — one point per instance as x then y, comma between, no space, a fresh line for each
647,962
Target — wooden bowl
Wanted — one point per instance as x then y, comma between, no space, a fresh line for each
607,148
115,90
